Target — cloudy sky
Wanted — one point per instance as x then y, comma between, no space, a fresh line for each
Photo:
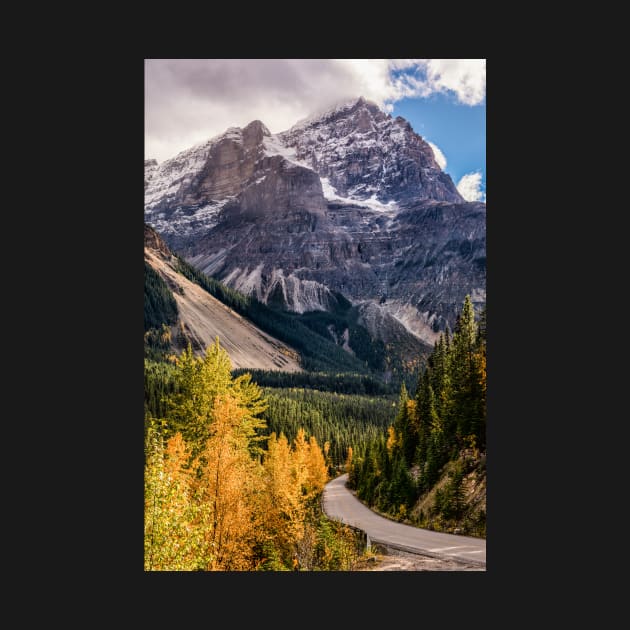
190,100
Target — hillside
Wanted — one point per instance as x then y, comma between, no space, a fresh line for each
201,318
457,502
429,469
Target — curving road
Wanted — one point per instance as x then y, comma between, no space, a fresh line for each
340,504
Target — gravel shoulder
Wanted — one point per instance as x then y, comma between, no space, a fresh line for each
396,560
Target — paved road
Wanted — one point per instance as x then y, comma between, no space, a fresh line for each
340,504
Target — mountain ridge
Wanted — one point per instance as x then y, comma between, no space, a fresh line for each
351,202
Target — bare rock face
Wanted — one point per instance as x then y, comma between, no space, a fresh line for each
365,152
153,242
349,202
283,189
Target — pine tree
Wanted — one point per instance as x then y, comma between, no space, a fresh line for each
399,488
479,425
405,426
200,381
429,422
464,374
422,420
189,410
252,401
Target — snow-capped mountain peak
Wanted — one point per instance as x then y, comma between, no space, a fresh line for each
366,153
348,201
340,107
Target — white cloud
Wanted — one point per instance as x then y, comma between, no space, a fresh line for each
440,158
469,187
465,77
190,100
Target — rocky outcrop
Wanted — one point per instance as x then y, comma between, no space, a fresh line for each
153,242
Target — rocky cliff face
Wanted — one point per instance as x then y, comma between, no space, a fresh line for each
349,202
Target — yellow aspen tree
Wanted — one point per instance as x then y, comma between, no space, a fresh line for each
300,463
309,477
317,468
348,465
392,439
170,541
285,518
227,485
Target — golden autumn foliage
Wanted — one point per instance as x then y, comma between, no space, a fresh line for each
480,361
228,478
214,499
170,539
392,439
295,477
317,468
348,465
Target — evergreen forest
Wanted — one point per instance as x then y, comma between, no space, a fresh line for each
236,460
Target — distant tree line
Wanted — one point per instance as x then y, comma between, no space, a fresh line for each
340,420
160,313
342,383
159,304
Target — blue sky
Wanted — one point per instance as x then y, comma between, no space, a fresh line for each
188,101
459,131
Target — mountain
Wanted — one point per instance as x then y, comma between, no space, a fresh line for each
348,204
201,318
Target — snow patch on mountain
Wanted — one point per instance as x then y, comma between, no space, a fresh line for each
171,175
372,203
185,221
164,181
275,146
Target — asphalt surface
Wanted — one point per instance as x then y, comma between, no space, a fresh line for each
340,504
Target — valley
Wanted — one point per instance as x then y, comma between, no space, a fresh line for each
314,352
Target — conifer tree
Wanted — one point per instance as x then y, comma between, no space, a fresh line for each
464,373
405,426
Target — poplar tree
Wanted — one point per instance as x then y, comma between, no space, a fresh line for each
226,488
170,540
